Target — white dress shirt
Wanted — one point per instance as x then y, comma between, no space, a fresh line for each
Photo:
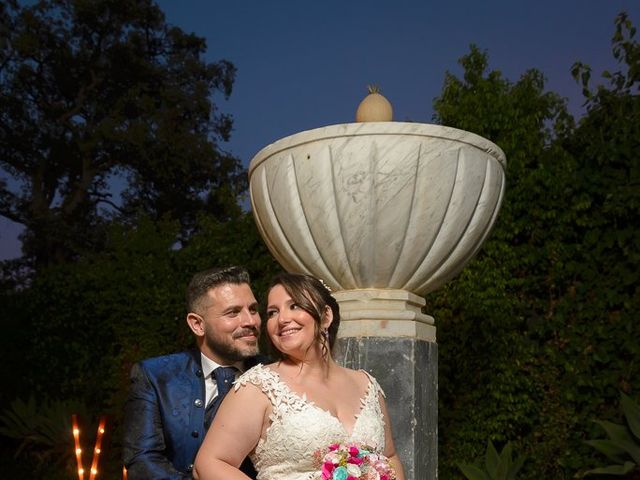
210,385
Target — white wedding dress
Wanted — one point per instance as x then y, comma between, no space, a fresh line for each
299,428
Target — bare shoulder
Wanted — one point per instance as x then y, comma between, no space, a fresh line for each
357,377
275,367
247,398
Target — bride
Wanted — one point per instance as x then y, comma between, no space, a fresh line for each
284,413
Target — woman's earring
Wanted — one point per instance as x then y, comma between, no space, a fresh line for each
324,341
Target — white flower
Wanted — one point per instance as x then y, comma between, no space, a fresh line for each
354,470
332,457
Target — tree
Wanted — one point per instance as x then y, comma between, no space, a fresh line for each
104,90
489,306
545,318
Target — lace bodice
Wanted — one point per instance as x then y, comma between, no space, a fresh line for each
299,428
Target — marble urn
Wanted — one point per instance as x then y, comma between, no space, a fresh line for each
383,212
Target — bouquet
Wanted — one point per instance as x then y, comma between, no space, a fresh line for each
353,462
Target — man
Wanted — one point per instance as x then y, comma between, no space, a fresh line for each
171,395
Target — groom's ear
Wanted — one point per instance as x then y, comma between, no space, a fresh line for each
327,317
196,323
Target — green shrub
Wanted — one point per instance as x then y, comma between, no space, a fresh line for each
497,466
623,445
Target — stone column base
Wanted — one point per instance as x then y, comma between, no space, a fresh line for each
371,312
407,370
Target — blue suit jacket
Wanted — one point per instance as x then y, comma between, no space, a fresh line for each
164,417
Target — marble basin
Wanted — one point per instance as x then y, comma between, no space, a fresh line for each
381,205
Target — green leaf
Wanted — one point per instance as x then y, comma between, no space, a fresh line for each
515,468
608,448
612,469
472,472
622,437
632,414
504,462
492,460
617,433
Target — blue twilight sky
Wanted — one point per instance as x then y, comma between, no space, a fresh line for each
305,64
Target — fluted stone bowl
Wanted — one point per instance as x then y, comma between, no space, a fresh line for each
389,205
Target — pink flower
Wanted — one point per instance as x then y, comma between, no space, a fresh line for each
327,470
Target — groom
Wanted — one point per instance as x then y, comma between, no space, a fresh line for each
173,397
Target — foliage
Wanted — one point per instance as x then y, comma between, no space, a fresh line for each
623,445
93,93
88,321
545,317
92,319
627,52
43,430
497,466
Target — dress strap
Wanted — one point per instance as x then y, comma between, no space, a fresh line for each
373,383
282,399
371,400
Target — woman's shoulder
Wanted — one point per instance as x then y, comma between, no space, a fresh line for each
365,380
262,376
360,376
266,380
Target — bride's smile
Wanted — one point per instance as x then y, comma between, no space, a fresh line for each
289,331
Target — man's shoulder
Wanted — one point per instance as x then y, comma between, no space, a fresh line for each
171,360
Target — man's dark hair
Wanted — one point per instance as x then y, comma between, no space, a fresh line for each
202,282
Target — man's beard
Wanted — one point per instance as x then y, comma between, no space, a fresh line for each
227,350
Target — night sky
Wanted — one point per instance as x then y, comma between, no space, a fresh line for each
306,64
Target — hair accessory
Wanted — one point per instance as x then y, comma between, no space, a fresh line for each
325,286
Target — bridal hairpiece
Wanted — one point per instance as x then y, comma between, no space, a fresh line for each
325,285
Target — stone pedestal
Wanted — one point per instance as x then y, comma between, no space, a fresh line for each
385,332
383,212
407,370
373,312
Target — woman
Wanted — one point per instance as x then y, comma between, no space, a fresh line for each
282,414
